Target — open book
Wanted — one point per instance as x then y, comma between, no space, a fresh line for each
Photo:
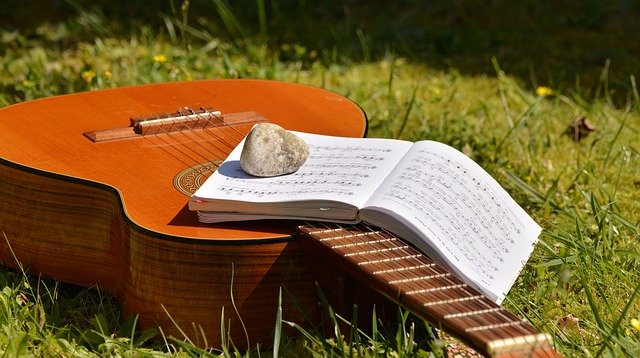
427,193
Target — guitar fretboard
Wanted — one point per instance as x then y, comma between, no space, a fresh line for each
402,273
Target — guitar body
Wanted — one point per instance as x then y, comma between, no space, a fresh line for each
113,213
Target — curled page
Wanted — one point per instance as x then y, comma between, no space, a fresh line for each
447,205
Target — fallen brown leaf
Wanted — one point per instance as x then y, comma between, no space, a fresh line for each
580,128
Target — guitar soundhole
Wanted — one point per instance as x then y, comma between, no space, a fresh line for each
190,179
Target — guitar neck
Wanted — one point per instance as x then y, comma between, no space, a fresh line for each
403,274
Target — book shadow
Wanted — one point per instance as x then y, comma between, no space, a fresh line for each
188,218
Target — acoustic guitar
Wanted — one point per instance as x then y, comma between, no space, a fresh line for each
94,189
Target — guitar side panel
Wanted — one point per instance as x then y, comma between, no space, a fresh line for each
62,229
76,232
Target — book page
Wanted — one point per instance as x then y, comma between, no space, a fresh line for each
462,212
338,169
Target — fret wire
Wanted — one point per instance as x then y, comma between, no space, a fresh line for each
384,261
378,264
428,273
438,276
479,305
445,281
499,318
410,256
476,304
416,279
475,318
375,251
494,326
505,331
453,300
466,305
503,314
438,281
483,319
406,268
357,244
419,261
443,284
443,300
470,304
433,289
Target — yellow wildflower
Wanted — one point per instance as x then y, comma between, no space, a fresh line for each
544,91
88,76
160,58
107,74
636,324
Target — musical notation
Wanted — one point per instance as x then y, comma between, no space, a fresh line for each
348,148
334,171
470,214
344,157
240,191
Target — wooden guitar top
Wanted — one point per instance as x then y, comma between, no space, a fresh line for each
47,135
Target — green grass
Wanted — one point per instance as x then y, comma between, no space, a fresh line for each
431,72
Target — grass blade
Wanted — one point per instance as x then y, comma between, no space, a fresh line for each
278,328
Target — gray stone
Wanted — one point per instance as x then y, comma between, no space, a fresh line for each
270,150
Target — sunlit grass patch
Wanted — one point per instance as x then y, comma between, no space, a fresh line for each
581,284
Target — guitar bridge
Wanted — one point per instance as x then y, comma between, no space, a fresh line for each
184,119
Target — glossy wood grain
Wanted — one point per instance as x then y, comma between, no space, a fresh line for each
402,273
107,213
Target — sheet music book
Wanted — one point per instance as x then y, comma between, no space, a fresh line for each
427,193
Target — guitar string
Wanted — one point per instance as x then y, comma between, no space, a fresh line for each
181,128
221,125
449,282
380,265
488,333
168,144
442,281
213,135
484,304
480,305
409,256
224,125
468,307
183,156
176,127
326,234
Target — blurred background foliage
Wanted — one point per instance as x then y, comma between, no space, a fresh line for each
562,44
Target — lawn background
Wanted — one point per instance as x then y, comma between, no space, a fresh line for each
501,81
